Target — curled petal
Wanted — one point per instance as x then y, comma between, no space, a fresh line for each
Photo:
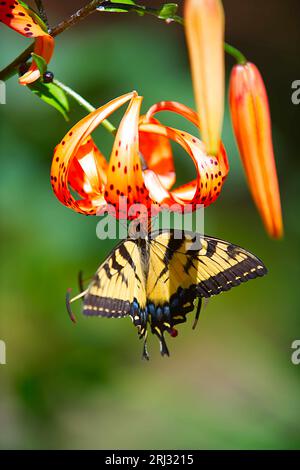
14,15
174,107
211,170
252,126
191,116
204,28
125,184
78,163
157,153
205,188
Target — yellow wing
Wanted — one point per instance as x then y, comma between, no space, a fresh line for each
118,287
182,269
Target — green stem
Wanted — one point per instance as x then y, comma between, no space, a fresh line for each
91,7
13,67
85,104
42,12
106,6
235,53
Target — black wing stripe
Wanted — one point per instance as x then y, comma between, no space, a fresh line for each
174,245
115,265
107,271
105,306
211,248
126,255
241,273
119,268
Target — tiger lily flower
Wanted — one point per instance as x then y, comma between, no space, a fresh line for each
204,28
14,15
128,179
252,127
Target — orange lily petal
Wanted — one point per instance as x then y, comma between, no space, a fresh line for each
191,116
157,153
204,28
87,173
125,184
211,171
18,18
78,163
205,188
252,126
44,46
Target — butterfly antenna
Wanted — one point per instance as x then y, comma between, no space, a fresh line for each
80,281
197,313
68,305
69,301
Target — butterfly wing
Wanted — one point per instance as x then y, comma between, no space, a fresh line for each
184,266
118,287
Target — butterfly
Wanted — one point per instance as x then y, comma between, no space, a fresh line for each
158,279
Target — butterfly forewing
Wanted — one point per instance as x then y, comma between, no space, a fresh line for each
196,267
118,283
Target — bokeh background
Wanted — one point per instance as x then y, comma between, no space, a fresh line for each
231,383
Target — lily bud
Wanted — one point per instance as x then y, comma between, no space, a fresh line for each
204,28
252,127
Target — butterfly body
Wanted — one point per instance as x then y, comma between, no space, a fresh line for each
155,280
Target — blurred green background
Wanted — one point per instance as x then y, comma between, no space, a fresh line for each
231,383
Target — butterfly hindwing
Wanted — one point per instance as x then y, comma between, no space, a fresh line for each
118,284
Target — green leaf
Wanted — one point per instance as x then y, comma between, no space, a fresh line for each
116,10
52,95
40,62
167,11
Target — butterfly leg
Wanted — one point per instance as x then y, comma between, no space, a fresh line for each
163,346
145,354
197,313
